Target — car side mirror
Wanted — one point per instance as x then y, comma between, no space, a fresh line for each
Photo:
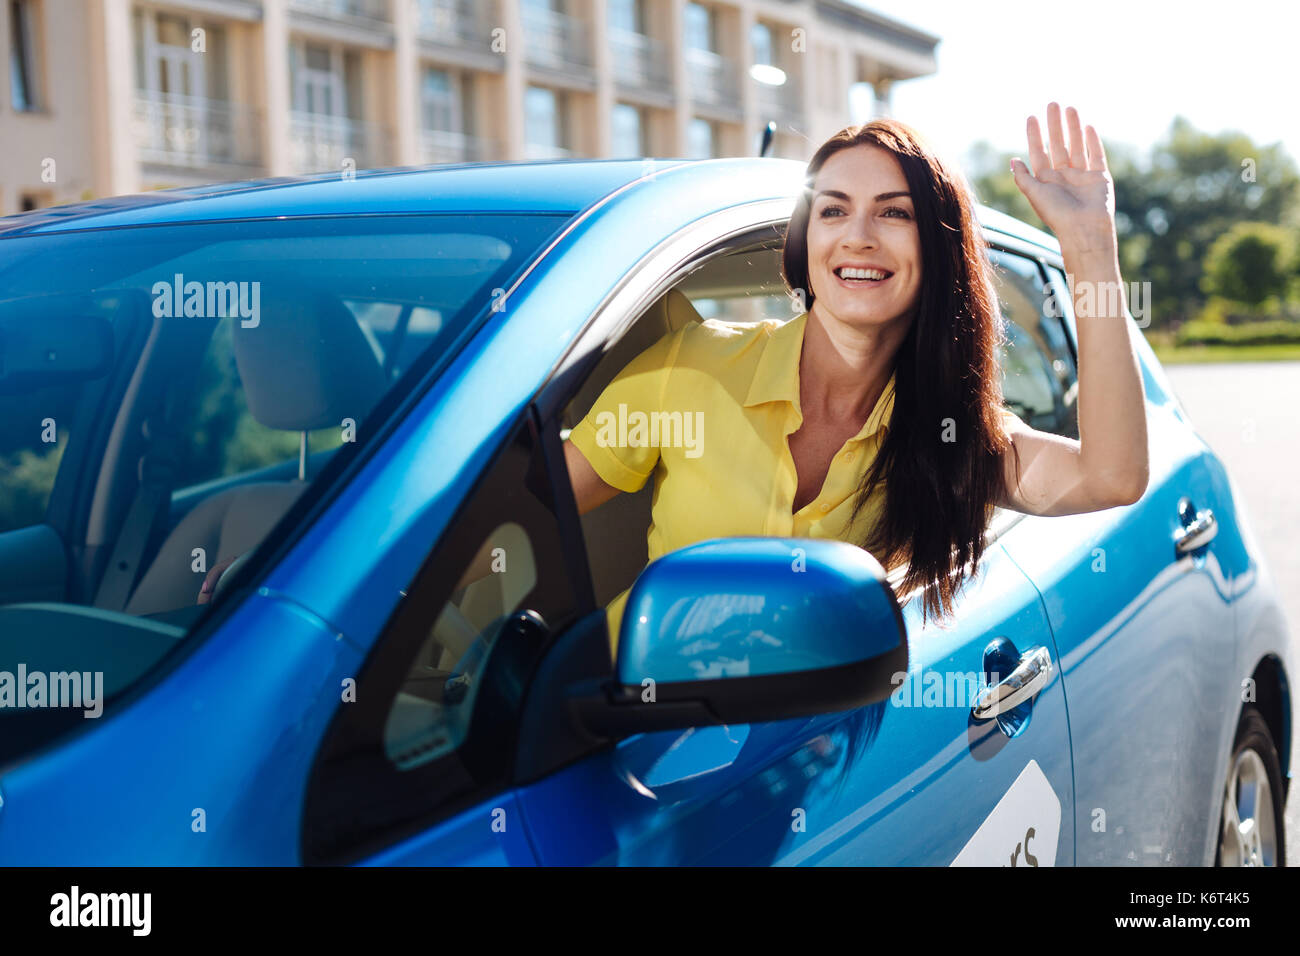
743,630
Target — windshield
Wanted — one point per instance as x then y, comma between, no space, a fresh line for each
167,394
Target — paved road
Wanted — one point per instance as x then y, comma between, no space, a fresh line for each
1249,412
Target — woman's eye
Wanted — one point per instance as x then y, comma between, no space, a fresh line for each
900,210
830,209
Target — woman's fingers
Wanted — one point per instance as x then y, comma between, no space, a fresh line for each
1038,157
1096,152
1056,137
1078,151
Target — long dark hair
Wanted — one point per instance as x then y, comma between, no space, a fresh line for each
939,495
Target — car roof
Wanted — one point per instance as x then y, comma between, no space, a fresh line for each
558,187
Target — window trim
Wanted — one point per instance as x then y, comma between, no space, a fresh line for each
400,637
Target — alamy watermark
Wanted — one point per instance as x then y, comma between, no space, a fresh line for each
208,300
40,689
626,429
1103,298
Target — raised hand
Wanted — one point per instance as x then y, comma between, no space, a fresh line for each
1070,188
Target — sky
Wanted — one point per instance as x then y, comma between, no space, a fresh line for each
1128,66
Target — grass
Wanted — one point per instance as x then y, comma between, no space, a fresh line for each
1176,355
1170,354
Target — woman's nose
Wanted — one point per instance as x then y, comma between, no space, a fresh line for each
861,233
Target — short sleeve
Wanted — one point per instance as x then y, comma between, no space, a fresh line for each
608,436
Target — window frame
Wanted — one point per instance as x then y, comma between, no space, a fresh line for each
996,249
360,724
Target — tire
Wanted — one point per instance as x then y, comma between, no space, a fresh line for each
1255,799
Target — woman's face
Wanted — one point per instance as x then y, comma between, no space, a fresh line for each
863,216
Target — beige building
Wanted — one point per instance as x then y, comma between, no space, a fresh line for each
114,96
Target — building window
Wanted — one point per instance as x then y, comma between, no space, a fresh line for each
627,15
699,27
760,38
701,139
627,131
24,69
326,80
446,101
544,123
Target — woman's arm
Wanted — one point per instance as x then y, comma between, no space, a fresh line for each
1108,466
589,489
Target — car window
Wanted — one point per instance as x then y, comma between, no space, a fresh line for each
743,285
1040,381
244,356
434,722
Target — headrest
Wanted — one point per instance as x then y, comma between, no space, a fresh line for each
670,312
308,364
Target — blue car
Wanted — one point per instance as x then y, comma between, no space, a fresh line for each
357,387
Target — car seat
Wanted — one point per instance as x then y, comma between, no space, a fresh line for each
308,364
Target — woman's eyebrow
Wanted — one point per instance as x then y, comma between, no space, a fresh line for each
847,198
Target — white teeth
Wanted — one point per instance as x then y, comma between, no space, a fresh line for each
848,272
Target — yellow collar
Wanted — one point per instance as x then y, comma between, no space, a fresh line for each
776,379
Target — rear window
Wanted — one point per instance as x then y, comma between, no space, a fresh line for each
168,393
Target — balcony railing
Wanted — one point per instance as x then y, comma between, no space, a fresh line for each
779,101
546,151
556,41
457,23
713,78
193,132
375,10
322,143
449,146
639,61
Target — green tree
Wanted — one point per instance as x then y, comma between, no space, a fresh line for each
1249,264
1172,206
1196,187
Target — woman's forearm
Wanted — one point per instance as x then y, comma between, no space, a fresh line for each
1112,410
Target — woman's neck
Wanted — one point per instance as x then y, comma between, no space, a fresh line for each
843,370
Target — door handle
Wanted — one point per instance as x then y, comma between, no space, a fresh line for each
1198,530
1030,676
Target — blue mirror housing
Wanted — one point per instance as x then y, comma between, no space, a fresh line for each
739,630
751,607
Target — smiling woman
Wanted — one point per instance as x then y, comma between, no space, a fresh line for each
877,415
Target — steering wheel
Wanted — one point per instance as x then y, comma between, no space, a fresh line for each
228,575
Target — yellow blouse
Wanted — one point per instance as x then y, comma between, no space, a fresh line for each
707,409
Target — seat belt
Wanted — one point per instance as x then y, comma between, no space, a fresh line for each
156,473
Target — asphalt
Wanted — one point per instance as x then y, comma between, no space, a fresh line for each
1249,413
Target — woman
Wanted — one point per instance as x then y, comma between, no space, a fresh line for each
876,416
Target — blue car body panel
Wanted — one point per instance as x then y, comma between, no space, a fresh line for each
233,729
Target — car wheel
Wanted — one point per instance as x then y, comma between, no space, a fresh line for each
1251,831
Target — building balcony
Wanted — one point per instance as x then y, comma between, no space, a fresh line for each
778,102
371,11
458,24
713,79
322,143
547,151
640,62
191,132
557,41
449,146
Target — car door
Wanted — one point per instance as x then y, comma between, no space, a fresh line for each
1145,633
917,780
913,781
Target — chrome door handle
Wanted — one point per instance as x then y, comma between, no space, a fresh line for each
1030,676
1199,528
